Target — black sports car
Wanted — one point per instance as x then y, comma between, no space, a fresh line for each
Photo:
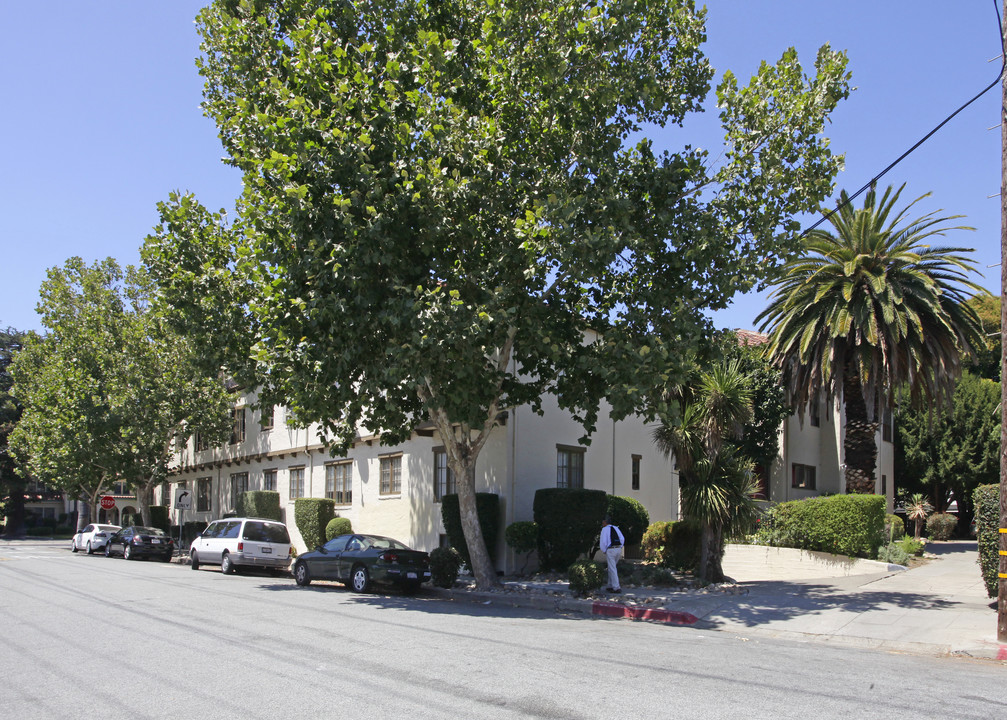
136,542
362,560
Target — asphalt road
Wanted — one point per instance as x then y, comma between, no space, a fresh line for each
90,636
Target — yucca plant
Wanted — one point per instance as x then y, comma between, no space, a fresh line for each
917,510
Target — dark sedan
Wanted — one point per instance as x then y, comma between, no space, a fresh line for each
137,542
362,560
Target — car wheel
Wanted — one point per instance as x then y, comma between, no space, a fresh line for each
73,545
301,574
194,560
226,564
90,550
166,558
127,553
360,580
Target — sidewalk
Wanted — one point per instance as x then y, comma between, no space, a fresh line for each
939,608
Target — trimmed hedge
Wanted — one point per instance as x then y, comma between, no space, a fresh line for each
338,526
630,516
941,526
190,530
262,504
987,505
488,510
673,544
311,516
159,517
444,566
569,521
842,524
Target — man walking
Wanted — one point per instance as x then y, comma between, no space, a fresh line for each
610,542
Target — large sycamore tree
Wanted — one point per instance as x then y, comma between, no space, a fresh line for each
445,201
12,476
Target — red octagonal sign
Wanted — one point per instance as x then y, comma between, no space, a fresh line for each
107,502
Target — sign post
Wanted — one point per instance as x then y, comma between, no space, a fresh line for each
106,503
183,501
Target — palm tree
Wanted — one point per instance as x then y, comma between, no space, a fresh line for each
717,485
917,510
867,308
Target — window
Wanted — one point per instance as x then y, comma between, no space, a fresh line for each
199,442
238,426
338,482
887,425
884,484
203,494
391,475
815,413
636,471
266,417
569,467
269,480
239,486
803,477
121,488
296,483
444,479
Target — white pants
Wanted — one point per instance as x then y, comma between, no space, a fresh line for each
612,555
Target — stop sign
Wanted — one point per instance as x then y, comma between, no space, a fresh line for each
107,502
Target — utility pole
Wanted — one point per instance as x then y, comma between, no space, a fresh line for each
1002,545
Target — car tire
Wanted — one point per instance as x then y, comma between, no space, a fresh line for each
73,546
302,576
360,579
90,550
226,564
194,560
166,558
127,553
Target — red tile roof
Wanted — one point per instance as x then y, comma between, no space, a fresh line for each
750,337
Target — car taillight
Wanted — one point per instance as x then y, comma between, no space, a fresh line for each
389,557
138,540
241,547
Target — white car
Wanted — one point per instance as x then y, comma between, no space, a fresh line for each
92,538
233,543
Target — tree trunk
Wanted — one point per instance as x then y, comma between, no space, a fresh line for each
479,558
860,448
15,511
83,517
144,494
711,555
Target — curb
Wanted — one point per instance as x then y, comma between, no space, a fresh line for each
635,612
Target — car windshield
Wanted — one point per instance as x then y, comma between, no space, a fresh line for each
383,543
107,528
266,532
148,531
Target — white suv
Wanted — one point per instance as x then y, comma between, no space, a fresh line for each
236,542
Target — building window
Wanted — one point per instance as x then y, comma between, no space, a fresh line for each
884,484
887,425
444,479
636,471
815,413
238,426
391,475
239,486
803,477
569,467
339,482
199,443
266,418
269,480
296,483
203,494
120,488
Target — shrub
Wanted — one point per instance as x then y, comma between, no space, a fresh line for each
262,504
64,530
569,521
311,516
132,519
444,566
987,505
522,538
338,526
911,546
655,540
488,511
893,553
657,575
895,528
159,517
941,526
630,516
673,544
41,531
841,524
585,576
189,531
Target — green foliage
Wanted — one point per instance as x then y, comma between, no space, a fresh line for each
656,538
132,519
917,509
312,515
569,522
12,471
673,544
190,529
841,524
488,511
585,576
40,531
444,566
521,536
262,504
894,553
630,516
987,504
986,358
159,517
911,546
656,575
895,528
941,526
338,526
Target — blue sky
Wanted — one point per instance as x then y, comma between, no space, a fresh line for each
102,120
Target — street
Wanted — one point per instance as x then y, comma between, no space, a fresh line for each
87,635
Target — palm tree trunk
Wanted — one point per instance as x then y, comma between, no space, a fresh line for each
859,447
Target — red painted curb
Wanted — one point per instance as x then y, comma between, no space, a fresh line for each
642,613
1002,655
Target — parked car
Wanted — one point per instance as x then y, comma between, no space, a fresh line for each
360,560
92,537
242,542
137,542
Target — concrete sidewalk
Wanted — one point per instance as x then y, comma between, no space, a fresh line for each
939,608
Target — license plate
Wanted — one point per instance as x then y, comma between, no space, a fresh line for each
267,551
411,576
155,541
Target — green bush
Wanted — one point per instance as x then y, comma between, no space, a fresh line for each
262,504
657,576
893,553
41,531
656,538
673,544
488,511
444,566
911,546
630,516
895,528
132,519
159,517
569,521
190,530
338,526
941,526
311,516
522,538
987,505
585,576
842,524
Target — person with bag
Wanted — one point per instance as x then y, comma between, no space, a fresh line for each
611,542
